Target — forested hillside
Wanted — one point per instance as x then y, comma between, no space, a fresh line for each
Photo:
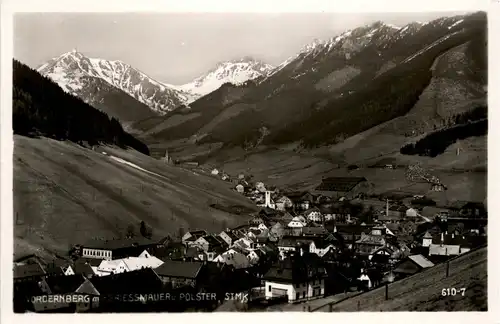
473,123
41,108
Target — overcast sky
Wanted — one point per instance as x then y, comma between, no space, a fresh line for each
175,48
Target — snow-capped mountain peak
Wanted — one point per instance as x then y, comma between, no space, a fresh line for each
235,72
69,68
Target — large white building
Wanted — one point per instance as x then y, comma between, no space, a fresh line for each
289,280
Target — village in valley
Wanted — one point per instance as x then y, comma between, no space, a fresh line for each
301,246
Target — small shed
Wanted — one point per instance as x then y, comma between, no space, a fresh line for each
412,265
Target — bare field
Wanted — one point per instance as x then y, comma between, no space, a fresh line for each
300,171
65,194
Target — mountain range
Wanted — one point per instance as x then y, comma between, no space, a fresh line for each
374,95
396,82
92,80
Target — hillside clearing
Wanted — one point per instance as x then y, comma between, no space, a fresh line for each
66,194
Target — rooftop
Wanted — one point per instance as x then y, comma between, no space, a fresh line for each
342,184
64,284
421,261
140,281
297,269
180,269
28,270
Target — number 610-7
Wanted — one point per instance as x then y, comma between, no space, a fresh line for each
452,291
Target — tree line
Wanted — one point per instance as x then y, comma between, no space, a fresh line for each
41,108
469,124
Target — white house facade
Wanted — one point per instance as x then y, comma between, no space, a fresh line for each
297,222
295,292
97,253
314,215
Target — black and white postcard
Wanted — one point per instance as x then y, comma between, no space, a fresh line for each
198,160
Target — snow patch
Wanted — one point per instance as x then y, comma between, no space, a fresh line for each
455,24
130,164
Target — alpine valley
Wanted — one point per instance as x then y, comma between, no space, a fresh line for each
89,132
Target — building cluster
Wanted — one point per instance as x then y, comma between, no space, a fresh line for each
300,246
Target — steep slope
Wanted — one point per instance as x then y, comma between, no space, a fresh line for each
331,89
422,292
40,107
69,69
66,194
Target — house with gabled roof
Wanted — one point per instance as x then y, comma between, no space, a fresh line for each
28,272
320,246
180,273
296,278
233,258
81,267
58,267
297,222
411,265
342,186
229,237
192,236
350,233
116,249
314,231
283,203
369,243
313,214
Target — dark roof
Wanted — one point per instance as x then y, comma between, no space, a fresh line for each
198,232
118,244
91,261
28,270
179,269
139,281
243,227
314,230
191,252
268,211
295,194
165,240
462,240
82,268
297,269
26,289
321,243
56,267
212,240
398,208
291,241
459,204
231,235
449,239
371,239
343,184
393,227
64,284
353,229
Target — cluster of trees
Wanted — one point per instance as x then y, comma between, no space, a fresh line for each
41,107
144,230
473,123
